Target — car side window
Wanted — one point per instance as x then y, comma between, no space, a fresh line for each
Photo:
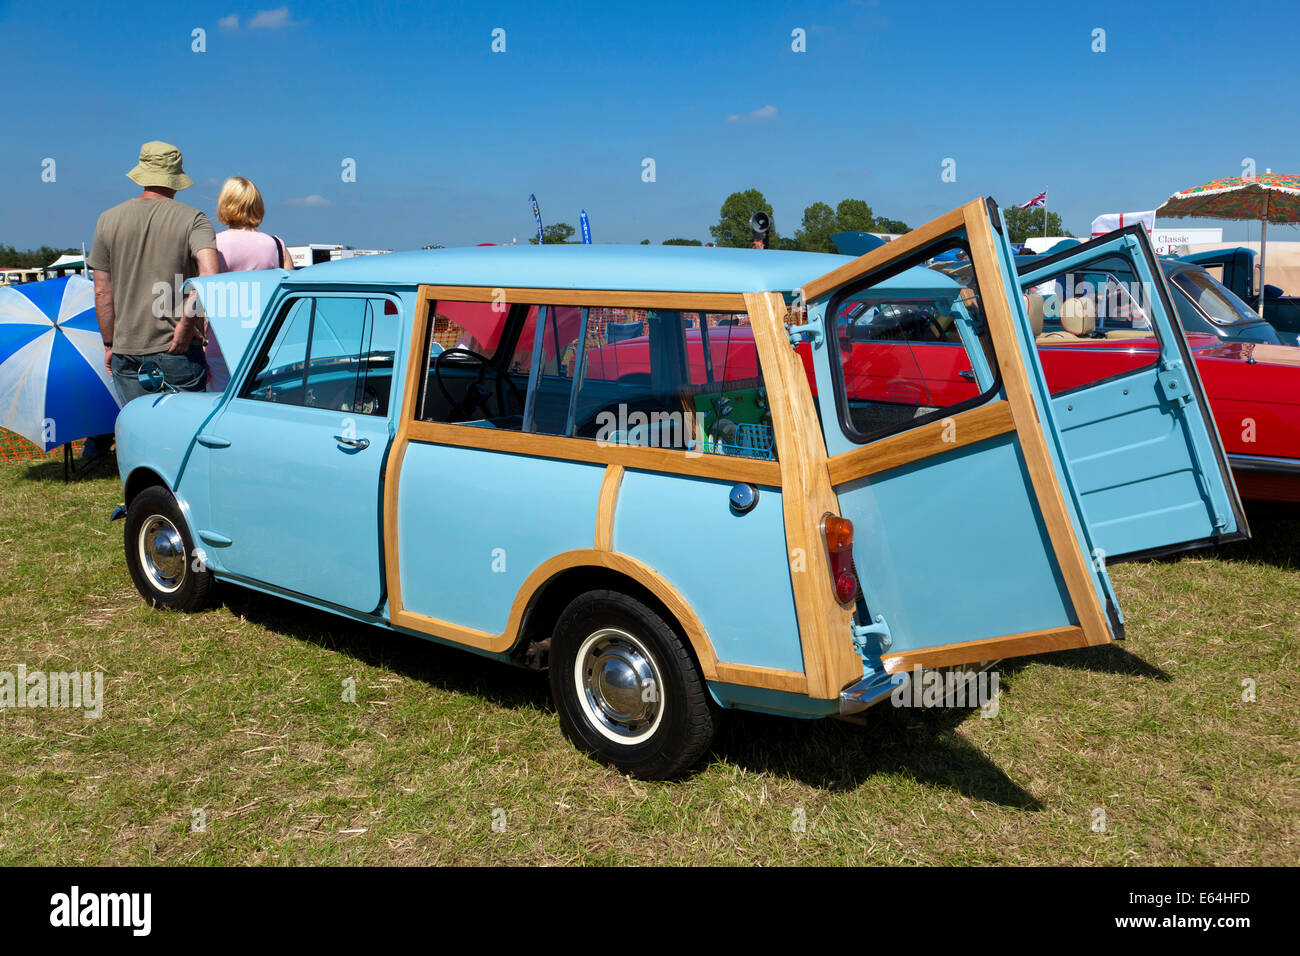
332,352
663,378
913,346
1093,322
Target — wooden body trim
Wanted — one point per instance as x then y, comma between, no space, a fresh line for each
606,506
825,631
935,438
900,248
987,649
669,460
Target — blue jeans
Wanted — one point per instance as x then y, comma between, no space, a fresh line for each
187,373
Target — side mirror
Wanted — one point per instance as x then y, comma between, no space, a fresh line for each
151,378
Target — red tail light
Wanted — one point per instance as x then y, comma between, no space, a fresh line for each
838,533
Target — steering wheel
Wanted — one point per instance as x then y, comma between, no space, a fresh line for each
478,394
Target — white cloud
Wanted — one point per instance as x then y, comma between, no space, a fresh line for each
312,200
270,19
760,115
229,23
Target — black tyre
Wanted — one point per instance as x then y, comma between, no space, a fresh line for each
164,564
626,687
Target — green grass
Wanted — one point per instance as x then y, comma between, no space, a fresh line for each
239,711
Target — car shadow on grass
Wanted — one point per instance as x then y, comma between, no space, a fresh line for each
828,754
427,661
1274,537
1102,659
836,755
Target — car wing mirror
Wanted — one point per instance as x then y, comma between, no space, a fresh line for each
151,378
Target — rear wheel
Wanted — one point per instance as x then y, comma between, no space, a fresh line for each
165,566
626,687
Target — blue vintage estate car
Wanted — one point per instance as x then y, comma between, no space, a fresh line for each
613,463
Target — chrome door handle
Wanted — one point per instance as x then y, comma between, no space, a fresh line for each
357,443
967,374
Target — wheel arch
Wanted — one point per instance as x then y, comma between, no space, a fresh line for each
141,478
550,589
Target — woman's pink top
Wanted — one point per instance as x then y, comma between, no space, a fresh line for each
240,250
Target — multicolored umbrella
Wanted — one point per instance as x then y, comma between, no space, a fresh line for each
1271,197
53,385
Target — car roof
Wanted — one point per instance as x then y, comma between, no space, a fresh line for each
572,266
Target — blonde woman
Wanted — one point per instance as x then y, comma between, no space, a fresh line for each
241,248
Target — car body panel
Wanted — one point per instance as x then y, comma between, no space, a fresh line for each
750,622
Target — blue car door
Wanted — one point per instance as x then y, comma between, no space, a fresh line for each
971,541
1166,485
294,454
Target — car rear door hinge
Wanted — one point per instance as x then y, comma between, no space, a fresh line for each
1173,382
797,332
872,639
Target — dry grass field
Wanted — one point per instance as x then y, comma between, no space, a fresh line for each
239,713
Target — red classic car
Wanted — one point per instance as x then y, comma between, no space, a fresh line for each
901,358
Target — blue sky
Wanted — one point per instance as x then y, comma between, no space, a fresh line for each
449,138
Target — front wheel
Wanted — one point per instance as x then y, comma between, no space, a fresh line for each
626,687
167,569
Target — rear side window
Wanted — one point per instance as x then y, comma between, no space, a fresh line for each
664,378
913,346
675,379
332,352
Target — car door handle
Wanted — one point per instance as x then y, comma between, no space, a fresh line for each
967,374
213,441
357,443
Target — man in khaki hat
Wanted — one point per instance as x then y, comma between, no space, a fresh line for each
142,247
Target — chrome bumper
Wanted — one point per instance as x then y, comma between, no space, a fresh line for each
870,691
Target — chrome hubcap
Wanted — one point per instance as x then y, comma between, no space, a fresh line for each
162,553
618,685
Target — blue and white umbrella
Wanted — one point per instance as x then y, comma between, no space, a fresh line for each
53,385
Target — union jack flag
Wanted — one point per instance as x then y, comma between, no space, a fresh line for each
1039,200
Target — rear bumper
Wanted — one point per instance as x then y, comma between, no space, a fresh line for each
870,691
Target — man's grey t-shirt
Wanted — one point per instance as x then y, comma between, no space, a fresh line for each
140,243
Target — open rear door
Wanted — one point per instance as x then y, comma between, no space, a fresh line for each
970,544
1149,466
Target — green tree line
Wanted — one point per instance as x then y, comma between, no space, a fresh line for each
11,258
820,221
813,234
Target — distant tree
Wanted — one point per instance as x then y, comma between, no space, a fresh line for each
31,258
854,215
555,234
645,242
682,242
733,223
896,226
814,233
1026,223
